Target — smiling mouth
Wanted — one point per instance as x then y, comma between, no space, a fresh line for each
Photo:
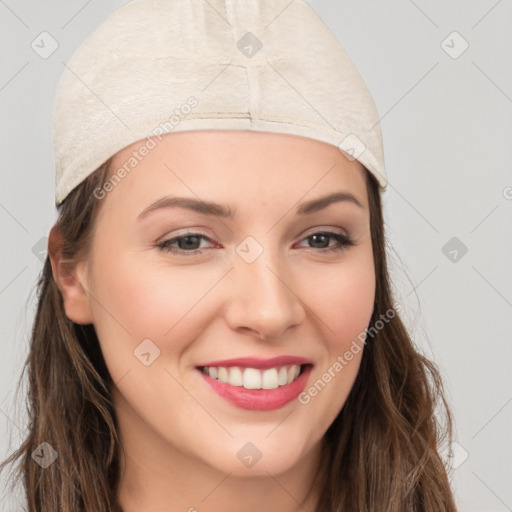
254,378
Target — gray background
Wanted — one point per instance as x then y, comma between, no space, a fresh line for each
447,130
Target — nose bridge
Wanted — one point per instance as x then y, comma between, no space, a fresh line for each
263,298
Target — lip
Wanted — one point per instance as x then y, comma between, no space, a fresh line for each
258,399
260,364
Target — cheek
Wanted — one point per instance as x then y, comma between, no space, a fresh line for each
343,300
343,303
356,305
137,300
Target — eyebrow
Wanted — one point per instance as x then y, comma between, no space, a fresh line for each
211,208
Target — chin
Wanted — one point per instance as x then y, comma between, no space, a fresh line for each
257,456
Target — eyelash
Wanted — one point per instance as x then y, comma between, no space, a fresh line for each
344,242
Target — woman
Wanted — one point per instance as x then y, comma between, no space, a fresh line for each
215,326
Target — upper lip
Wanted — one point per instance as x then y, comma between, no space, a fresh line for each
255,362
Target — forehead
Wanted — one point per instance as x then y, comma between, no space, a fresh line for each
244,164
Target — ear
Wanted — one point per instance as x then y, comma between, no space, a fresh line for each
71,281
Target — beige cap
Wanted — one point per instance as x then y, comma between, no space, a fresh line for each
163,66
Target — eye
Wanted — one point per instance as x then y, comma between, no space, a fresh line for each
320,241
189,243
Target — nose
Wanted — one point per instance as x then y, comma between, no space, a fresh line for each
264,300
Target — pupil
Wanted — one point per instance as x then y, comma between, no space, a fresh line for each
184,243
315,239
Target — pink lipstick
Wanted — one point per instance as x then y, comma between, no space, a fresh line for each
257,384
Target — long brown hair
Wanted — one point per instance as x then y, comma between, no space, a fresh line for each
380,454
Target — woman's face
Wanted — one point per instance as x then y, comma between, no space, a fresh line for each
253,284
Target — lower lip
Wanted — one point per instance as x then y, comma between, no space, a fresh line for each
259,399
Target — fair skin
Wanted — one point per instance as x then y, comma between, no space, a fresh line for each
180,438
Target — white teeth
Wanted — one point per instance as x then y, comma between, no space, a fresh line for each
293,372
282,378
269,379
223,375
236,377
252,378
